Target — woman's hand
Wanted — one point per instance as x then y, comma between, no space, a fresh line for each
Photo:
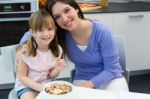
87,84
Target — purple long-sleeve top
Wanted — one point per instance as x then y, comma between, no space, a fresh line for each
100,61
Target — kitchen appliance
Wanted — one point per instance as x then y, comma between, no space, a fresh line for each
14,16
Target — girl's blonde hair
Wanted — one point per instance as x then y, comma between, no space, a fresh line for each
37,21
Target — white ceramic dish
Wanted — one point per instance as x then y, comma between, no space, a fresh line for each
59,83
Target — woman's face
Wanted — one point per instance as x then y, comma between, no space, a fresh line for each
65,16
44,36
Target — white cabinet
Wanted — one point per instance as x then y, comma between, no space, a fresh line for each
105,18
136,28
7,64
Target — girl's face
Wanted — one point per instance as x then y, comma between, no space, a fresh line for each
44,36
65,16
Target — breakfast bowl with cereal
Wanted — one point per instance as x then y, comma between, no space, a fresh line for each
58,88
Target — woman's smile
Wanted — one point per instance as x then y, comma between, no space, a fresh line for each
65,16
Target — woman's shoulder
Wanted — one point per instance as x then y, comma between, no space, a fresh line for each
98,24
100,30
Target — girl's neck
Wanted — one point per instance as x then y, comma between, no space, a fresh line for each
43,49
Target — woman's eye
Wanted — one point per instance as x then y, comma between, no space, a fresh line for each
67,10
56,17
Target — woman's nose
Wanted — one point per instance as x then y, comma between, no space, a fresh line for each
64,18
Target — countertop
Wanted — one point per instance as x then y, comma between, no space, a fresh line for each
123,7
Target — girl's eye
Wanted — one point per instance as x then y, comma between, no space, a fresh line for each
49,29
40,30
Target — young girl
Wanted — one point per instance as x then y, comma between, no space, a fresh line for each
39,59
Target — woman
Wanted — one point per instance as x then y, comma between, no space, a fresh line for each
89,45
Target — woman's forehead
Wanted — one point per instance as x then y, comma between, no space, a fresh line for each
59,6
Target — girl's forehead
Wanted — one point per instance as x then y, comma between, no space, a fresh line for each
46,23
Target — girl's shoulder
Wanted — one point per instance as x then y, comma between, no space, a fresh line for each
20,50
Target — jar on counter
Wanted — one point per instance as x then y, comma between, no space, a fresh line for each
104,2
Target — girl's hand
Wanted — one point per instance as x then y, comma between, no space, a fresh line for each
60,63
87,84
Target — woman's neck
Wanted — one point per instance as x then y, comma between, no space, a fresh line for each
82,28
83,32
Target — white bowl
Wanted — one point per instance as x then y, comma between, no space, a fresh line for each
57,89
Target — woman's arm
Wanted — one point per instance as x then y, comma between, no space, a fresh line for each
22,70
25,37
109,52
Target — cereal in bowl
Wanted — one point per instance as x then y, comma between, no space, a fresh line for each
58,89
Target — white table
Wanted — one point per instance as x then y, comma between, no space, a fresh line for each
86,93
133,95
81,93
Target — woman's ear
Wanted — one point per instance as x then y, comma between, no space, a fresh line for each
77,10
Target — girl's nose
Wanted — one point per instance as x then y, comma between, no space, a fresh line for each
46,32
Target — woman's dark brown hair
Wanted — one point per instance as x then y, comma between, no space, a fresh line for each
60,31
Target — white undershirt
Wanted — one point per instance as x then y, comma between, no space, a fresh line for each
82,48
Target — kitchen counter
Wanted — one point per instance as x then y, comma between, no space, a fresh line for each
123,7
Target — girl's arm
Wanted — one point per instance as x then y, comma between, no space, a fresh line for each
60,64
22,71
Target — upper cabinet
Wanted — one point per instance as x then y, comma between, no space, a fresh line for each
105,18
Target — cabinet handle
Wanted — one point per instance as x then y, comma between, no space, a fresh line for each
136,16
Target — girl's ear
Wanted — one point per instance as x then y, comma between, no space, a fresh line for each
32,33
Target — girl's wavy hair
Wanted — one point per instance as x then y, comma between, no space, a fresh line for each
37,21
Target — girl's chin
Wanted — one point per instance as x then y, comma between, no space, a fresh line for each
46,43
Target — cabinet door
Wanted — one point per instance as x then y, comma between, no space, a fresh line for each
105,18
7,66
136,28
